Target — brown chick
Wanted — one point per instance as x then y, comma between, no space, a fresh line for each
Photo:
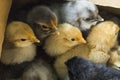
69,36
101,38
18,45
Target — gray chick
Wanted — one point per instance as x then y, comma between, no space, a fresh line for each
39,70
43,21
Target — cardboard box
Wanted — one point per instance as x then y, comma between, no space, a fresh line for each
112,6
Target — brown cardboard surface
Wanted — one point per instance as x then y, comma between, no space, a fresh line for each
110,3
4,10
112,6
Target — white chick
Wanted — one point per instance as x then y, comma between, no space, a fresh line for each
69,36
80,13
101,38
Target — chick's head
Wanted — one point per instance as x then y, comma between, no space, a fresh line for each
103,36
88,15
20,34
58,44
71,35
43,21
81,13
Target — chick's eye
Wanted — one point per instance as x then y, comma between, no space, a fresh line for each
23,39
87,19
72,39
45,27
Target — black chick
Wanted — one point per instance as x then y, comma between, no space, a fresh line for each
81,69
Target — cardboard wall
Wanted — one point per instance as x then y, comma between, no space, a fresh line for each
112,6
4,11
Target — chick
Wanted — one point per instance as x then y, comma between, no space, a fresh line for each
19,39
114,60
43,21
102,42
96,49
39,70
18,50
69,36
80,13
81,69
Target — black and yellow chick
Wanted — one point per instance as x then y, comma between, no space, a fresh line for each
43,21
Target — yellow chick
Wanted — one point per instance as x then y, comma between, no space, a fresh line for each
18,45
69,36
114,60
101,38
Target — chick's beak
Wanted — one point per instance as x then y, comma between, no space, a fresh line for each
81,40
55,31
54,28
100,18
35,40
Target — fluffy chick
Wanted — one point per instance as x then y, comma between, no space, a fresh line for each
114,60
96,49
18,48
80,13
43,21
81,69
18,44
39,70
104,40
18,55
69,36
